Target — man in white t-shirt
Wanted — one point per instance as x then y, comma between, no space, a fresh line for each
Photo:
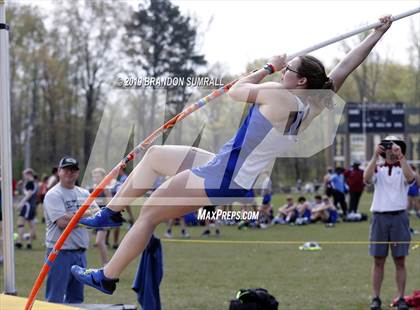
390,225
60,204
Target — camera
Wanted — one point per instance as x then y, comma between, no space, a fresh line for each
387,145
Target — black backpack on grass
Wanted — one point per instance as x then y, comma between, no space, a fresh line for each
254,299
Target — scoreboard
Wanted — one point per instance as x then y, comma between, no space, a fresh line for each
376,117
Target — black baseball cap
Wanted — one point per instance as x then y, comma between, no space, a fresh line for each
68,162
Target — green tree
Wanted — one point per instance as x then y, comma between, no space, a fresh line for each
90,32
162,43
26,36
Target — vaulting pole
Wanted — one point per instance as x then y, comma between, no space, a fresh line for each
152,137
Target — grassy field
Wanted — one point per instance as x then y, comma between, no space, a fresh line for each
206,273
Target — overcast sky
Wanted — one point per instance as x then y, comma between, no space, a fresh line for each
240,31
243,30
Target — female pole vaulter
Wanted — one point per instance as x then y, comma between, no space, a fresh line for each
230,173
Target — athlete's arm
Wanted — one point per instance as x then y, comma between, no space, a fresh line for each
248,89
358,54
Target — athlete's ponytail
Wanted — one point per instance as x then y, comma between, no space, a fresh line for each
328,84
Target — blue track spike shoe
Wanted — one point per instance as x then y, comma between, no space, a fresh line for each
94,278
105,218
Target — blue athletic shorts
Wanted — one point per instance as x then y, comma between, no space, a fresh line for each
28,211
223,195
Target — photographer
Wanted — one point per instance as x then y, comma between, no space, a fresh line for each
390,224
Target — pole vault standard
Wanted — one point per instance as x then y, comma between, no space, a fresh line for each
6,157
154,135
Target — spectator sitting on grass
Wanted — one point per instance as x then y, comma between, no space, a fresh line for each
317,202
303,211
286,213
326,212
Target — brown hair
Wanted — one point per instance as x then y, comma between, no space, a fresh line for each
314,71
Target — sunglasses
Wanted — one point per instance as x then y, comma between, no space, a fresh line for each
290,69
